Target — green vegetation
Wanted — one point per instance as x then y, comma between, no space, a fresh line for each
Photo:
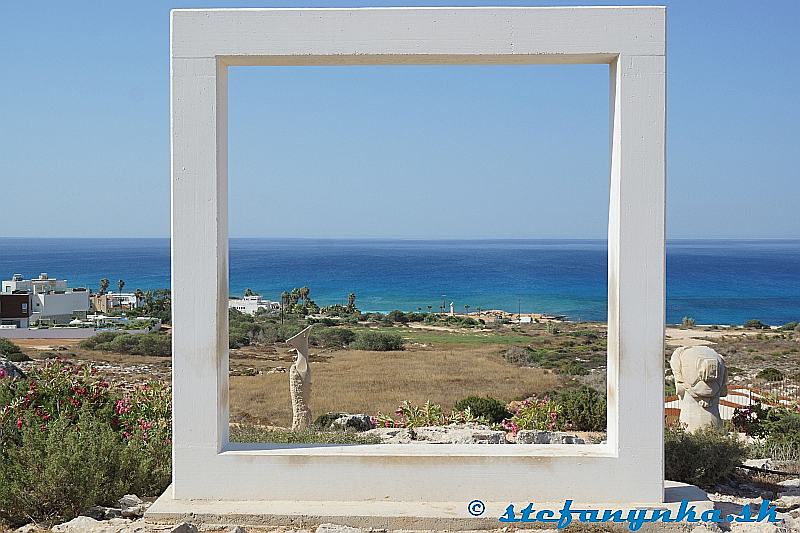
258,434
377,341
688,322
11,351
756,324
770,374
157,344
430,414
332,337
490,409
583,409
702,458
69,441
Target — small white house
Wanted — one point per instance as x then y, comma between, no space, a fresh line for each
250,305
43,283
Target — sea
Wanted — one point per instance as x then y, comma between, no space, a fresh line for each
712,281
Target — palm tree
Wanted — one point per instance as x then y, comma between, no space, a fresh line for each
351,302
429,309
121,284
466,308
249,292
304,294
104,284
139,296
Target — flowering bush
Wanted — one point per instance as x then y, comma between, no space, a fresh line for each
70,440
534,413
409,415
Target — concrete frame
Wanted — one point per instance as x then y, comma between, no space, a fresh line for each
629,467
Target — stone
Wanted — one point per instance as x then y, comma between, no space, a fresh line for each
27,528
793,483
336,528
87,524
237,529
132,506
10,370
535,436
759,463
300,382
184,527
700,380
392,435
356,422
459,434
98,512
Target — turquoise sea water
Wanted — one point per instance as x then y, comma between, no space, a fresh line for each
713,281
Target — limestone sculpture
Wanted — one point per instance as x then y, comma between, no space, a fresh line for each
300,382
700,380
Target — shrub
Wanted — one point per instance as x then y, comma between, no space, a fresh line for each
158,344
770,374
702,458
583,409
378,341
429,414
688,322
756,324
325,420
534,413
572,368
69,441
790,326
491,409
332,337
11,351
397,316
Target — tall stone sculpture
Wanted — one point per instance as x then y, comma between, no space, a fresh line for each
700,380
300,382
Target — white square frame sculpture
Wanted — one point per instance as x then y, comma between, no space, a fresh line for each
629,468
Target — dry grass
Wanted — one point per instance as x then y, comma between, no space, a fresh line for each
367,382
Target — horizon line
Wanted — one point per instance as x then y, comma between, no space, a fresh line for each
388,238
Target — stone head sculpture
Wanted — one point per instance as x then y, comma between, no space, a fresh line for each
700,380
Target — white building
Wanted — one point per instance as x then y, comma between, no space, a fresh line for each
50,300
34,286
59,307
250,305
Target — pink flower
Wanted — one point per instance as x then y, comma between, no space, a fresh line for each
122,407
2,373
19,423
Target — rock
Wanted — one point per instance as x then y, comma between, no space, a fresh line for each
794,483
27,528
9,369
759,463
336,528
392,435
459,434
787,502
534,436
237,529
132,506
87,524
184,527
357,422
98,512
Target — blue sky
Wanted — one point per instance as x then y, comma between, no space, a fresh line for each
436,152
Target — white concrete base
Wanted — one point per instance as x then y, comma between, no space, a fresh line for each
389,515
